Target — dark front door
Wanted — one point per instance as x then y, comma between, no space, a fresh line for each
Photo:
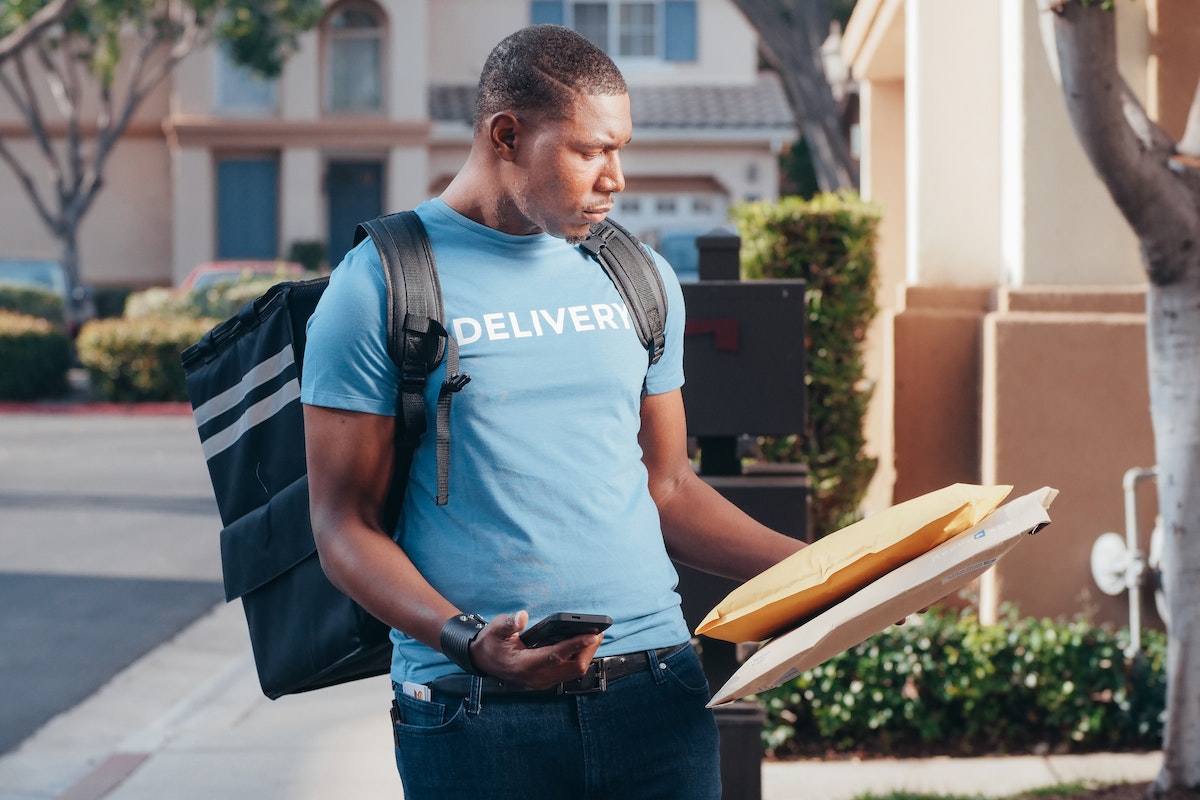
355,194
248,207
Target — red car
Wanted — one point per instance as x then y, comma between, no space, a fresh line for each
208,275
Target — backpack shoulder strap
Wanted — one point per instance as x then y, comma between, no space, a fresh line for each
417,339
630,267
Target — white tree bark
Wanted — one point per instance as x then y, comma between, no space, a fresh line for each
1159,194
1173,321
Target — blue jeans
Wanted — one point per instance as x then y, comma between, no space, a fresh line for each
648,736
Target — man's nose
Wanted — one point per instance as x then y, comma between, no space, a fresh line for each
612,179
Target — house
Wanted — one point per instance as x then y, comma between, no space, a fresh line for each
1012,347
373,114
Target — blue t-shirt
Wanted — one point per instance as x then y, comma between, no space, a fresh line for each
549,507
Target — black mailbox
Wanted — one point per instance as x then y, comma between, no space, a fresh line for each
744,375
744,357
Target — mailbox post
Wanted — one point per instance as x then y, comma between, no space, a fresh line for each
744,356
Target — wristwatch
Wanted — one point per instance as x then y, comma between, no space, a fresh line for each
457,635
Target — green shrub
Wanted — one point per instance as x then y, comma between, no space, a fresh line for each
219,302
33,302
946,683
110,300
829,242
34,357
137,359
308,252
225,300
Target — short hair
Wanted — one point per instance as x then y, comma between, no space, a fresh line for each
540,69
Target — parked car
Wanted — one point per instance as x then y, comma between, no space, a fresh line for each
50,276
206,276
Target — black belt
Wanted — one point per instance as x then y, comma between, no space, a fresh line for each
599,673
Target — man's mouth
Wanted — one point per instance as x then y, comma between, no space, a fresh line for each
598,213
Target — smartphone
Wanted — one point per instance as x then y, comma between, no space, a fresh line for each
557,627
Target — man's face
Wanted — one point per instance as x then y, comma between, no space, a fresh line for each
569,169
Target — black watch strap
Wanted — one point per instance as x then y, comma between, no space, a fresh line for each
457,635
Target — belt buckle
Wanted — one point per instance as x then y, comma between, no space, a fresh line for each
593,681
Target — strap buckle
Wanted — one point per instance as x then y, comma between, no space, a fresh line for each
456,382
591,682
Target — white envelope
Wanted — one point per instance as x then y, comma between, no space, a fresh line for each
905,590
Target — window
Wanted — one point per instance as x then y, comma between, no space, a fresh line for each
651,29
354,61
241,90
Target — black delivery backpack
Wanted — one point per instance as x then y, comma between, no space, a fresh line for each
243,379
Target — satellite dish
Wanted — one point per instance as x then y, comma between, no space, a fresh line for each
1111,563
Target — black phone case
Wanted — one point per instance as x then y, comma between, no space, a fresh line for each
557,627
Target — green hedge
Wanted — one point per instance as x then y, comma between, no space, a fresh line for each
220,302
33,302
34,357
947,684
130,360
110,300
828,241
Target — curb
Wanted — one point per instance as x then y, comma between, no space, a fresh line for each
174,409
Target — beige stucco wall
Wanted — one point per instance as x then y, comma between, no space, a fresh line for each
1065,404
138,172
1018,331
726,47
1049,187
952,125
883,181
1030,387
155,218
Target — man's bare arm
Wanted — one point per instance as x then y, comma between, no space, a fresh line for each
701,528
349,471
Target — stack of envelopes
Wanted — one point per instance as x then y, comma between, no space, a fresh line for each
853,583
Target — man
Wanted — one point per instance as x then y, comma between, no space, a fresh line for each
569,484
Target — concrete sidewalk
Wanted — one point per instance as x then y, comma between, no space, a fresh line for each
188,722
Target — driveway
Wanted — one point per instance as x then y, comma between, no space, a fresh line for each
108,547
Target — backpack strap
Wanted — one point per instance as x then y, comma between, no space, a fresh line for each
417,339
636,277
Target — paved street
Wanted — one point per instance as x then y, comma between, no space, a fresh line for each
108,547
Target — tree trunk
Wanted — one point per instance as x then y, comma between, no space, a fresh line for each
1173,320
791,33
1159,196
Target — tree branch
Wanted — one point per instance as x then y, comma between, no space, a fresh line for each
143,79
33,116
1134,158
30,187
791,33
48,15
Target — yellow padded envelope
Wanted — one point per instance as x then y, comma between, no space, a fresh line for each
847,560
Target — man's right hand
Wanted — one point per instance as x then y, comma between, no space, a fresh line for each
499,652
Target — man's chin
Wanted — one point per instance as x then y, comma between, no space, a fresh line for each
574,234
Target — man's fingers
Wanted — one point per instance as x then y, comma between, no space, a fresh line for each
511,625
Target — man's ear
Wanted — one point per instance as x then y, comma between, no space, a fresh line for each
504,132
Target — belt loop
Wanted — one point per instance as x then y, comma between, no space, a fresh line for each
474,702
657,668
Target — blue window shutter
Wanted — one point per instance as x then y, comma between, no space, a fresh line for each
680,30
546,12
